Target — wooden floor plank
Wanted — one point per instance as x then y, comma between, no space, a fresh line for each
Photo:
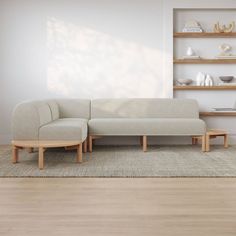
118,206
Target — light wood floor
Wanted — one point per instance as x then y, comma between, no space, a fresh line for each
124,206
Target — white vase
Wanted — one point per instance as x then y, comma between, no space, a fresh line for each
200,79
190,52
208,80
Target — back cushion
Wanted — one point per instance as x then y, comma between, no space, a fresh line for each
74,108
44,112
54,109
144,108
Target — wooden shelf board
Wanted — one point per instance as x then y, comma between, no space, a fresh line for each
226,87
212,113
204,35
204,61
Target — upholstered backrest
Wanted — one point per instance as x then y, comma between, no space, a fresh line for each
54,109
74,108
29,116
144,108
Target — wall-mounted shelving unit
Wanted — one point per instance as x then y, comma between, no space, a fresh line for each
206,45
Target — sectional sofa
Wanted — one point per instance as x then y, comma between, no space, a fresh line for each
71,122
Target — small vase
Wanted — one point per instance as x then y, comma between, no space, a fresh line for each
190,52
200,79
208,81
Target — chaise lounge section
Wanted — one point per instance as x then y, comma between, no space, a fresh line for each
50,123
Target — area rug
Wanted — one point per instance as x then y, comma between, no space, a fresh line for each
124,161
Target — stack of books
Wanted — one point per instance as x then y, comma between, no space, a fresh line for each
192,26
197,29
225,109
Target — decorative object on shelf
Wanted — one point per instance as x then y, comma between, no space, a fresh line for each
208,80
223,28
192,26
184,82
200,79
191,54
226,79
225,52
225,49
204,79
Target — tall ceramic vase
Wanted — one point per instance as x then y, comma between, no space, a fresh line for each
208,81
200,79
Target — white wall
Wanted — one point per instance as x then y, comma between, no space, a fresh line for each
78,48
87,49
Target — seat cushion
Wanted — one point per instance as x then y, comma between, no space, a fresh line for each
64,129
123,126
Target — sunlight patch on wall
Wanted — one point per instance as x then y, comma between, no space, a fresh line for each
86,63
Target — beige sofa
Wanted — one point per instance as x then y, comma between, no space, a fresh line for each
75,119
145,117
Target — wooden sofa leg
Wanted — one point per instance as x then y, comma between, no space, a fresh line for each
85,145
79,153
41,158
144,143
90,143
207,138
204,143
226,145
15,154
194,140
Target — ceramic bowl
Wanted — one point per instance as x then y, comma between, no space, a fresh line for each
184,81
226,79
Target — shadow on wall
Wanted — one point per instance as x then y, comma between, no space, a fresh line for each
91,64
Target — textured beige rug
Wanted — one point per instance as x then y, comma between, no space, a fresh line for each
125,161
